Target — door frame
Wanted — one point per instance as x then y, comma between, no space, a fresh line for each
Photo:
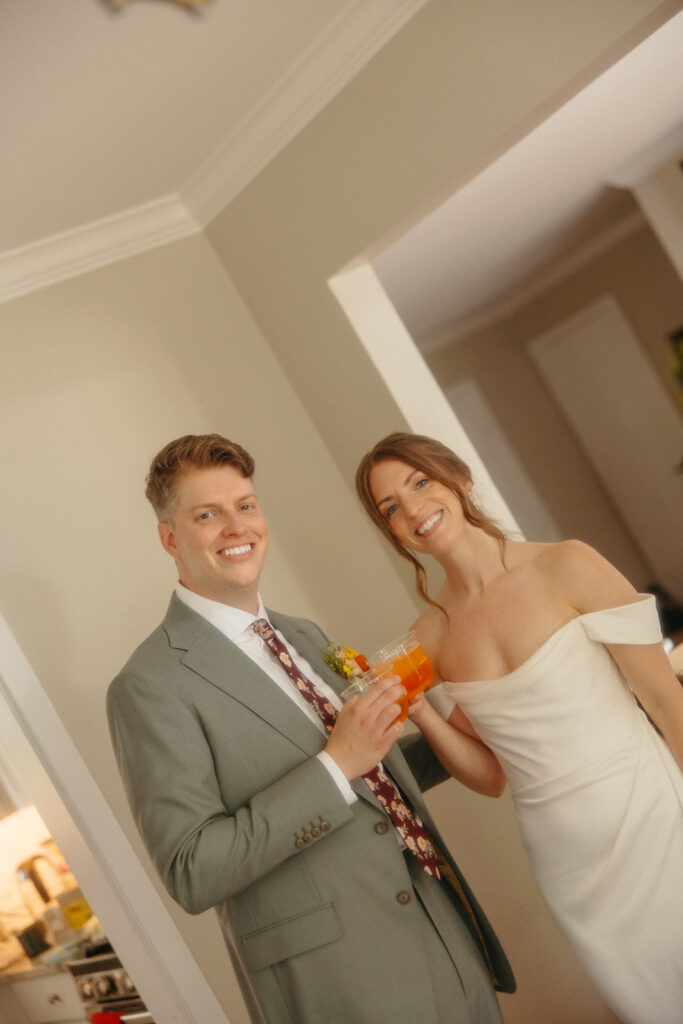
57,781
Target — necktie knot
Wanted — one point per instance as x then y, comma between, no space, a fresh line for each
262,628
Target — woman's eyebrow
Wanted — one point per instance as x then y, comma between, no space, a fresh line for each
406,481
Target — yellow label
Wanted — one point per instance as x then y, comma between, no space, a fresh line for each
77,913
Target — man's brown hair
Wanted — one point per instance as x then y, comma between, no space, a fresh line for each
194,451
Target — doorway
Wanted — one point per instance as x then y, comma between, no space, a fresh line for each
57,782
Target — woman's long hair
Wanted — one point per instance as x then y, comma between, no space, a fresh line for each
437,462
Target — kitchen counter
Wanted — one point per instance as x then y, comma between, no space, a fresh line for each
14,964
13,960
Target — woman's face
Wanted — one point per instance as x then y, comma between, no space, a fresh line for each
423,514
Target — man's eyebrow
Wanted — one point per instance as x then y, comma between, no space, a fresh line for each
217,504
406,481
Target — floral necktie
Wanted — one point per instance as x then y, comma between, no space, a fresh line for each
403,818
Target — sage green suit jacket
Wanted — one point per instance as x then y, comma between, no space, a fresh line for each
220,770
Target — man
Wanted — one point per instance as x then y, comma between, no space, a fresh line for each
252,803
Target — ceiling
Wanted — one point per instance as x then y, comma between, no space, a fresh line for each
551,200
109,108
154,111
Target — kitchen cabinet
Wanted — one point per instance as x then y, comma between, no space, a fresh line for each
44,999
11,1010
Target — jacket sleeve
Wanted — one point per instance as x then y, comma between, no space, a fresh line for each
203,849
422,761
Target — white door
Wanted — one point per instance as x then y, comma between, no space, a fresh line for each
627,424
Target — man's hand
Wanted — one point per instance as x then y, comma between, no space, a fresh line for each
363,731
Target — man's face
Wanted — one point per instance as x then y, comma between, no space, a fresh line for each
218,537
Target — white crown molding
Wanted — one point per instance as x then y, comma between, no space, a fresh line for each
338,54
326,67
93,245
458,330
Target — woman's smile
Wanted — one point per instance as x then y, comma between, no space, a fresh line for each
429,523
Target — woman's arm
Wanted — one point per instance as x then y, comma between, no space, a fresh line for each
592,583
459,749
648,672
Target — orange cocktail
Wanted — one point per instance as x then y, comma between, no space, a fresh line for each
407,660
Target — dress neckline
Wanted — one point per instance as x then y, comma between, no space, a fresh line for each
548,642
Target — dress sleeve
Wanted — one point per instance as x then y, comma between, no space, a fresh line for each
441,700
636,623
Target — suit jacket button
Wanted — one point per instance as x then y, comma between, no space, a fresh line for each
316,832
325,826
307,837
299,843
403,897
381,828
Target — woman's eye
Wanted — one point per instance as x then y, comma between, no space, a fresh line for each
390,511
422,482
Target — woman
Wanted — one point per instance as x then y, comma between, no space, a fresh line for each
544,647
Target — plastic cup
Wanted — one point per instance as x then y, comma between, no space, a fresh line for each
406,658
361,684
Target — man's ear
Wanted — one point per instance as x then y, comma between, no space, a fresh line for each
167,538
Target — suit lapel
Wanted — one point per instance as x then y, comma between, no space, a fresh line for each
307,642
208,653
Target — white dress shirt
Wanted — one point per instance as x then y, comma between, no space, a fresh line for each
235,625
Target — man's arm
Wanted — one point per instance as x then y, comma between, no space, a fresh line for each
203,850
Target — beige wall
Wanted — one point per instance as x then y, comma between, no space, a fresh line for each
100,371
661,198
641,278
453,90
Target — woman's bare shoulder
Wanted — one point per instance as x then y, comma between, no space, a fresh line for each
432,630
584,576
430,624
551,557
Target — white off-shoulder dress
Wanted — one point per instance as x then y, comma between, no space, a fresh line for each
599,801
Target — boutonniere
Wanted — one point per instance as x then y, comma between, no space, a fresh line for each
345,661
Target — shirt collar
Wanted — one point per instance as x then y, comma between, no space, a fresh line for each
232,622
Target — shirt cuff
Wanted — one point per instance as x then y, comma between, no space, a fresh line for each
338,776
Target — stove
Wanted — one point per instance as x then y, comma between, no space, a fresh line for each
103,984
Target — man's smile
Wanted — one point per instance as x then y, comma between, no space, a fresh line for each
235,552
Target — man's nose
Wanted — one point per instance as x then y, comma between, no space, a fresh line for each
232,524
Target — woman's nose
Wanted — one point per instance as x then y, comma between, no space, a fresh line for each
413,507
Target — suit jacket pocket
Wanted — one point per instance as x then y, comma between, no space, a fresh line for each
287,938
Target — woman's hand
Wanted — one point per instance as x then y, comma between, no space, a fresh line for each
417,708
